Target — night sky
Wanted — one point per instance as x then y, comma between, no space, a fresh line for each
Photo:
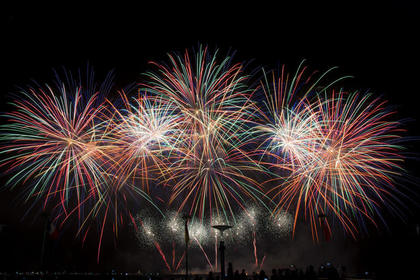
376,44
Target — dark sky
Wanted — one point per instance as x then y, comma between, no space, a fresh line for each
376,44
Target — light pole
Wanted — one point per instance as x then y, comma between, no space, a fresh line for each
222,228
187,241
44,237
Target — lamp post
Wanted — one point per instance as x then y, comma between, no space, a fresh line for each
44,238
187,241
221,229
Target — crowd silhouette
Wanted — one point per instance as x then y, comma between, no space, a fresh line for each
324,272
327,271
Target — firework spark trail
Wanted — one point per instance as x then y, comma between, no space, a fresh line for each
180,261
204,253
176,267
162,255
173,254
250,221
254,244
262,262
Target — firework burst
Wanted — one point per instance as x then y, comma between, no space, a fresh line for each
212,165
331,154
354,157
142,136
359,157
51,145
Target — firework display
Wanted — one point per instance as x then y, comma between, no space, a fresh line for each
197,138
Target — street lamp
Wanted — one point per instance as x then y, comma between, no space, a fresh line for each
222,228
187,241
